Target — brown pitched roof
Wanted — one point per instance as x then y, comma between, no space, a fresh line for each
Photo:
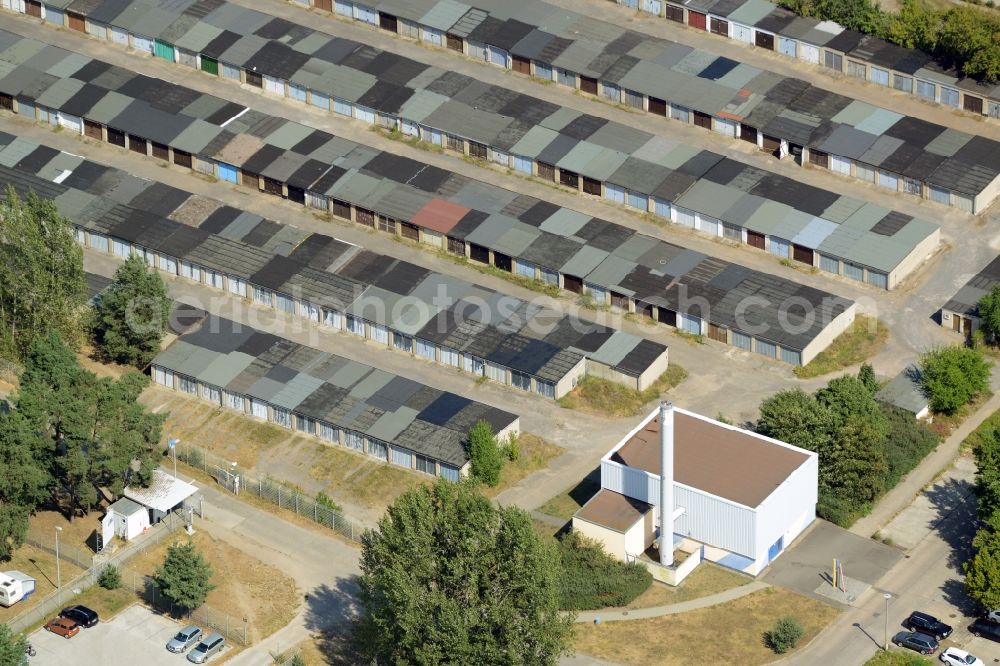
737,465
612,510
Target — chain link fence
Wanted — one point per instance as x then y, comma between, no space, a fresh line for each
92,565
144,587
238,482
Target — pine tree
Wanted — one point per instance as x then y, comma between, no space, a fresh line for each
184,577
131,315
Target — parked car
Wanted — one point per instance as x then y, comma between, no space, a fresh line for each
184,639
63,626
210,646
986,629
84,616
955,657
992,615
927,624
916,641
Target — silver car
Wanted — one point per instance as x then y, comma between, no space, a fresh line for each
210,646
184,639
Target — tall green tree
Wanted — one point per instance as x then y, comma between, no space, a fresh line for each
952,376
131,315
987,485
23,482
449,578
982,572
185,578
988,312
95,433
915,25
796,417
856,464
42,286
485,453
12,648
848,397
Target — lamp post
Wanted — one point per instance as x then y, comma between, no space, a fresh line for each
58,568
172,443
885,638
236,478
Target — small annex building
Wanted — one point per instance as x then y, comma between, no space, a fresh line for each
164,494
740,499
905,392
125,519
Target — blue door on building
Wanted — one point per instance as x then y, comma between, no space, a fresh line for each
227,172
775,548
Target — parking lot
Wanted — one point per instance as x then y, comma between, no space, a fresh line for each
134,636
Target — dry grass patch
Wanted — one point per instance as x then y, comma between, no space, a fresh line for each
244,586
603,397
695,636
945,424
565,504
535,454
707,579
861,341
40,565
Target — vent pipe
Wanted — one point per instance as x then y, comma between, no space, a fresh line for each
666,483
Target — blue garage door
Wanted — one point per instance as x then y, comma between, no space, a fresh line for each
227,172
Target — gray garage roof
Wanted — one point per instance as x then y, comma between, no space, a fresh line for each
329,388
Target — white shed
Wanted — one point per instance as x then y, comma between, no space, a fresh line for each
126,519
742,497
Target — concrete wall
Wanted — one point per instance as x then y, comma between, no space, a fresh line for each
840,324
987,196
614,542
921,253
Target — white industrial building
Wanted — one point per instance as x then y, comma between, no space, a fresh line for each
739,499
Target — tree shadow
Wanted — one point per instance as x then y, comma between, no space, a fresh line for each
331,615
954,521
954,517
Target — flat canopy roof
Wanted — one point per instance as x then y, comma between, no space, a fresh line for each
737,465
613,510
163,494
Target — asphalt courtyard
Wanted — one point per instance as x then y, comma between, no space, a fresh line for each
135,636
808,563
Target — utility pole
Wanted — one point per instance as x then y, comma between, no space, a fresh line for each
885,638
58,568
172,443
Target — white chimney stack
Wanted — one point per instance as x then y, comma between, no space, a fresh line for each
666,483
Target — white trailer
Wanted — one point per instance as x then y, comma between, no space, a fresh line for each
15,586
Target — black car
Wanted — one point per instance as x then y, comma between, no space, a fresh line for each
986,629
927,624
921,643
81,614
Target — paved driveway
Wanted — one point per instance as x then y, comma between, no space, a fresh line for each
135,637
805,565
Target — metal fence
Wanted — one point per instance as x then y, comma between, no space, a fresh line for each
144,587
92,565
238,482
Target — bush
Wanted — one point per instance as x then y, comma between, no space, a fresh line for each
325,500
592,579
837,510
110,578
512,450
297,660
487,459
784,636
953,376
906,443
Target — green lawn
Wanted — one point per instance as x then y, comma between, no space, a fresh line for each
898,658
565,504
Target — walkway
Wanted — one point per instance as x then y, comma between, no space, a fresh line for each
910,486
624,614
